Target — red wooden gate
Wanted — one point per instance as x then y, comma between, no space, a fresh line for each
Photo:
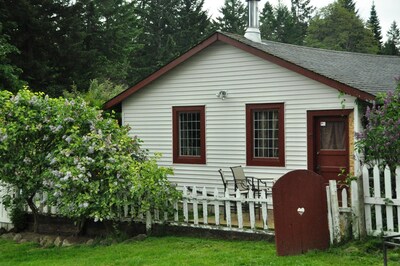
300,213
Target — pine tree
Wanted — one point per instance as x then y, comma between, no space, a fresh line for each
301,13
349,5
9,73
283,24
193,23
267,20
392,45
373,24
32,29
234,17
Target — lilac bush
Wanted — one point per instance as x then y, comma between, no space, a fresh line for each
87,164
380,141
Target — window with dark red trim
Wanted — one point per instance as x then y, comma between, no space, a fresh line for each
189,142
265,136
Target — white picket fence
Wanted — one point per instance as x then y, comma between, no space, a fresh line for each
382,201
5,221
239,213
208,209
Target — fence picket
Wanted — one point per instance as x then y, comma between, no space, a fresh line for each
185,205
330,218
355,210
239,209
344,198
388,195
252,211
264,210
216,207
367,207
377,194
205,207
397,178
176,212
228,209
335,211
195,206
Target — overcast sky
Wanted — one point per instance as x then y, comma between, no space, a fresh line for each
387,10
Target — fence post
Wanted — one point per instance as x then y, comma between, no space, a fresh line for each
335,211
367,208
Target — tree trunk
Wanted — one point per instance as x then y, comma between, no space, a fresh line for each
80,226
35,214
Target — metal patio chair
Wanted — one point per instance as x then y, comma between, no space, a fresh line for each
242,183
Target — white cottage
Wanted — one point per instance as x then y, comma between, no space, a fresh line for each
269,107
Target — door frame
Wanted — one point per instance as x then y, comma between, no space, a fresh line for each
311,145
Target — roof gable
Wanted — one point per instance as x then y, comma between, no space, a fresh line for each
289,56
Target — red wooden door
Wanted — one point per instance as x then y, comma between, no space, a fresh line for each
300,213
332,148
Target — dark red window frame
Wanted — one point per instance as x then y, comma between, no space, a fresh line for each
177,158
250,159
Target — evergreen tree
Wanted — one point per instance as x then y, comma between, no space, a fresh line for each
193,23
33,29
9,73
392,45
374,26
234,17
283,24
267,20
335,27
349,5
301,13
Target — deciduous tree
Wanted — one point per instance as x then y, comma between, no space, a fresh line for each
335,27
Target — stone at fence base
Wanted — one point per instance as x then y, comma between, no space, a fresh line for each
17,237
58,242
8,236
47,241
90,242
139,237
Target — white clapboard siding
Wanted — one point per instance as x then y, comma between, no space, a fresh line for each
248,79
381,201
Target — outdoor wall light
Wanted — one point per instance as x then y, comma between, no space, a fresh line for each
222,94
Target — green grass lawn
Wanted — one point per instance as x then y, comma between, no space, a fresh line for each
187,251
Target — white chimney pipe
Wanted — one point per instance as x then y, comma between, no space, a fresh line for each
253,31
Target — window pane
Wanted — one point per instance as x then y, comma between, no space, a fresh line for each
333,135
266,133
189,134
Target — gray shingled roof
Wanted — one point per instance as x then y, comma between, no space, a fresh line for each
366,72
